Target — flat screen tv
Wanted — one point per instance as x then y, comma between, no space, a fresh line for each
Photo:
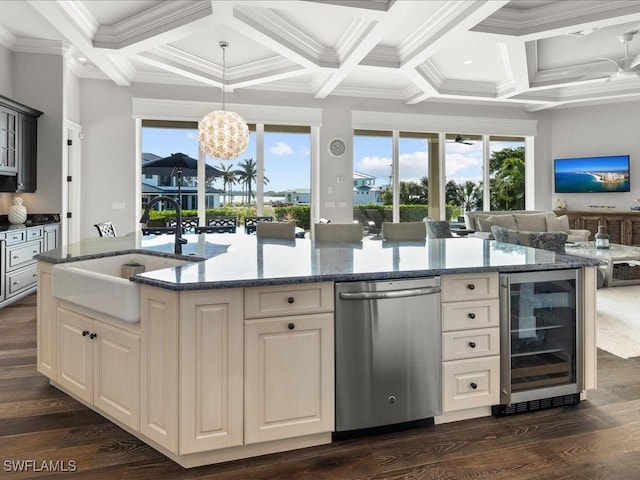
592,174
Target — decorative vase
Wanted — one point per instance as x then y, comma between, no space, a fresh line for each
602,237
17,212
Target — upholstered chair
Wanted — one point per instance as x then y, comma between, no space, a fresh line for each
338,232
285,230
553,241
404,231
438,229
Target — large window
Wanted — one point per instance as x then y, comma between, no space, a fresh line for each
284,165
463,174
507,173
287,166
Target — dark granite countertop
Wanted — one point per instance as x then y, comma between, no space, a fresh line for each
240,260
33,220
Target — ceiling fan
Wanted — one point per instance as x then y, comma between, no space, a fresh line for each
459,139
627,66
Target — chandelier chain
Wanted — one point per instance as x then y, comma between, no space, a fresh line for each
224,70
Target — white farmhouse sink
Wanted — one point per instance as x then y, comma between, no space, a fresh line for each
97,284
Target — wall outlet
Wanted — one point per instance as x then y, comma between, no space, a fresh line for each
118,205
330,204
329,189
340,179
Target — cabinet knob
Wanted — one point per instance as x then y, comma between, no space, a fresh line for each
85,333
291,326
471,286
93,335
472,344
473,385
15,257
16,282
291,299
472,315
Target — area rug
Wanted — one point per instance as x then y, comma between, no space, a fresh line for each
618,320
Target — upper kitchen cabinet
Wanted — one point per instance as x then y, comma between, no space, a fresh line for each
18,146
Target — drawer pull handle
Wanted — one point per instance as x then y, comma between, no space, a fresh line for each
35,251
291,326
471,286
291,299
472,344
16,282
85,333
93,335
15,257
473,385
472,315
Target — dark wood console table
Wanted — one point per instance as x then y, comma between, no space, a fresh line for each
623,227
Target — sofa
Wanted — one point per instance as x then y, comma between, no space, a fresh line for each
522,220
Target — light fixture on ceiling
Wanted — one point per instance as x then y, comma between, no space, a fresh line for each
223,134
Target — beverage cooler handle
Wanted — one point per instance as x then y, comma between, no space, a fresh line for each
505,327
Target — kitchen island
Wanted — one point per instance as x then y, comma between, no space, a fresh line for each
234,354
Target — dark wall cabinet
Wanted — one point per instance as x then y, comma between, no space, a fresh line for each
19,146
623,228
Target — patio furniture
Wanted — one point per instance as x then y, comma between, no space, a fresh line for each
158,230
219,224
106,229
369,226
251,222
189,224
376,217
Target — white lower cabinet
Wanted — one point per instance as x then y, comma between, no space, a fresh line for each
99,363
211,370
289,377
470,342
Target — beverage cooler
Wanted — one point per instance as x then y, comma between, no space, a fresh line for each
541,340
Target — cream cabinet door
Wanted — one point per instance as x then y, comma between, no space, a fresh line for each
289,377
47,331
116,372
75,371
159,386
211,370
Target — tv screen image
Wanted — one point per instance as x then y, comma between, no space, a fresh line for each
592,174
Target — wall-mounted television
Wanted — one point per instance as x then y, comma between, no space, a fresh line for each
592,174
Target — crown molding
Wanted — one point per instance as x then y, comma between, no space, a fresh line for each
165,109
44,47
81,17
272,25
156,20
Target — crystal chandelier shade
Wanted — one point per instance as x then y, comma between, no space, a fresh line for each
221,134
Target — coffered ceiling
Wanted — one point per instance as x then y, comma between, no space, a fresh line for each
535,54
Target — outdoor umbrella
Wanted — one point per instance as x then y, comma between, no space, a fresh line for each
182,165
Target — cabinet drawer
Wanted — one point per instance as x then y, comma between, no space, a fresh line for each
470,343
34,233
18,281
294,300
22,255
469,287
471,383
18,236
474,314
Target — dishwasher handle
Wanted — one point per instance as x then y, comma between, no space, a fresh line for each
410,292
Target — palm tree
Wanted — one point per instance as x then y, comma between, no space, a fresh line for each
247,175
469,193
228,180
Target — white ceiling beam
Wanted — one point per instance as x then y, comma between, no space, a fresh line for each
162,23
359,40
77,25
559,18
514,59
284,38
442,27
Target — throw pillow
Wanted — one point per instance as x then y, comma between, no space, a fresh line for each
504,221
553,241
557,224
531,222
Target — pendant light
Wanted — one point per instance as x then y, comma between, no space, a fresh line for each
222,134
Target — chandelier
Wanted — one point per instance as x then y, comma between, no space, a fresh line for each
222,134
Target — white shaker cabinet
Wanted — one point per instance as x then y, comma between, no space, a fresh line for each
470,341
99,363
289,361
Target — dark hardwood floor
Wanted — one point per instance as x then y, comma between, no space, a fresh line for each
599,439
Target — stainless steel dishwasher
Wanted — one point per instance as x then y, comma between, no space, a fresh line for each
388,352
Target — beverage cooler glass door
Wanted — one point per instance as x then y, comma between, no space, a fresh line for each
541,335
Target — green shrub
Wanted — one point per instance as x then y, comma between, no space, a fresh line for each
300,213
